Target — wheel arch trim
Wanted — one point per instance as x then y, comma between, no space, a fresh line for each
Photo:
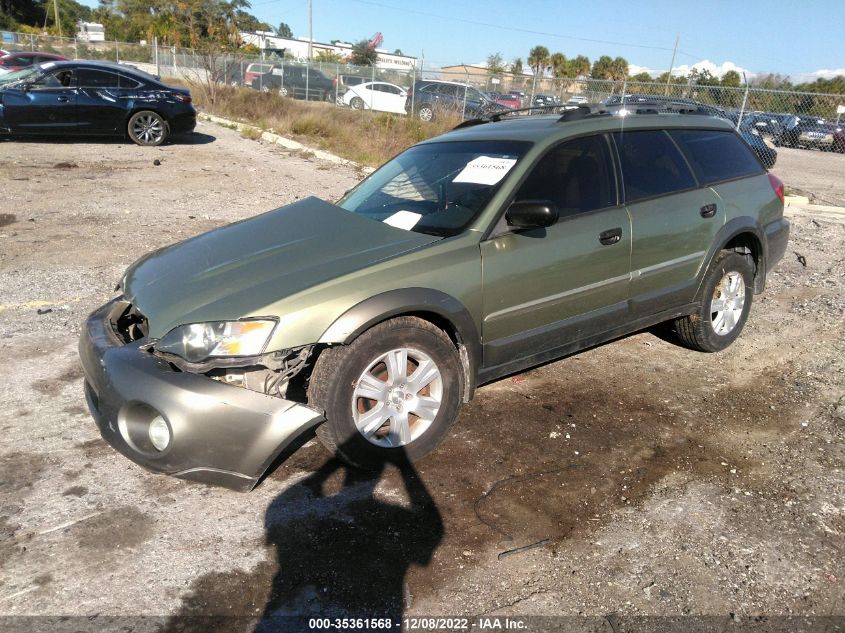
410,302
732,229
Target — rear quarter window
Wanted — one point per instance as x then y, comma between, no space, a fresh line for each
651,165
716,155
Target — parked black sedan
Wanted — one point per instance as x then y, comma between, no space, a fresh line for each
93,98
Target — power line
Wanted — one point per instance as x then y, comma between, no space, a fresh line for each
512,28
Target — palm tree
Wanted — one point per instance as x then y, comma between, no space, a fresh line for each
579,66
538,59
559,64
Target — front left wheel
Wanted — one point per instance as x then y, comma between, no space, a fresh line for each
392,394
147,128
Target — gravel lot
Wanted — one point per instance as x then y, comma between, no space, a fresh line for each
646,479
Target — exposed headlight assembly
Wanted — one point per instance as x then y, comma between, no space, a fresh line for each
195,342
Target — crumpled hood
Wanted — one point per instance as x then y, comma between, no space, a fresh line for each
238,269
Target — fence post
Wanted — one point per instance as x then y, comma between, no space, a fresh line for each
744,101
31,42
533,87
466,88
116,52
337,83
413,85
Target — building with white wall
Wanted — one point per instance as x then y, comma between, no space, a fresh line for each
90,32
297,47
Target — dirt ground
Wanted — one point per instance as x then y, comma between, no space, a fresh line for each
638,478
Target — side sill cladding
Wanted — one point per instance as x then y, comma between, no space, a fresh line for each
444,309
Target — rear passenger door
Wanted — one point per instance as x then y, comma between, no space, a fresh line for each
673,220
100,106
548,288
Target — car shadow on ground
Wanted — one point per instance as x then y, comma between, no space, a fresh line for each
193,138
341,548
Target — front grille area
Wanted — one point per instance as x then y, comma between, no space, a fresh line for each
130,325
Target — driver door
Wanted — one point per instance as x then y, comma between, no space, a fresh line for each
47,106
545,289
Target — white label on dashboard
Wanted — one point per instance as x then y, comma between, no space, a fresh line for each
403,220
485,170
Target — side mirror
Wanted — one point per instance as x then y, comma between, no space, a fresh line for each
531,214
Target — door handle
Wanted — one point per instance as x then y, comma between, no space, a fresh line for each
61,99
611,236
708,210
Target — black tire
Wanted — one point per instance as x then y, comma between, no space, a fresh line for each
357,103
426,112
283,91
337,370
696,330
147,128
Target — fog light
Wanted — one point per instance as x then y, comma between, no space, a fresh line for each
159,433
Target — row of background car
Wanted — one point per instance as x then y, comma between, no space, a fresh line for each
429,98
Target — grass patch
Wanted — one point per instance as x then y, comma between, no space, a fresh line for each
369,138
251,133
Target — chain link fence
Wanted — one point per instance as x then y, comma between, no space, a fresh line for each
767,119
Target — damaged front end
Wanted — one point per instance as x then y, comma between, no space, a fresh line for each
221,420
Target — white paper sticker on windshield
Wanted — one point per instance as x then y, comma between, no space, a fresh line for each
403,220
485,170
47,65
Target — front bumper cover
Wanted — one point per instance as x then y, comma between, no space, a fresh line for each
220,434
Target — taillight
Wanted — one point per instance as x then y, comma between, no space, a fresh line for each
182,97
777,185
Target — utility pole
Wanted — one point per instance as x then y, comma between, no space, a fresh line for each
310,30
672,63
56,10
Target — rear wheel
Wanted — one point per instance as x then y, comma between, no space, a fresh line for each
357,103
393,392
727,295
426,113
147,128
283,91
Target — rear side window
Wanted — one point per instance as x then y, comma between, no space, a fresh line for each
651,165
716,155
576,175
89,78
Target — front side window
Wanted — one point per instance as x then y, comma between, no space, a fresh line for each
716,155
651,164
576,175
57,79
436,188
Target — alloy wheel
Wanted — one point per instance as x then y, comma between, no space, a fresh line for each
728,303
397,397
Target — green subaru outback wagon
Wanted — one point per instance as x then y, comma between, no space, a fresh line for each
508,242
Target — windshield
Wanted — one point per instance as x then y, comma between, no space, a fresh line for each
20,75
435,188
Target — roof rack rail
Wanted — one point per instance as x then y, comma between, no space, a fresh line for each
575,112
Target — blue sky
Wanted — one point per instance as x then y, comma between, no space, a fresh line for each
782,36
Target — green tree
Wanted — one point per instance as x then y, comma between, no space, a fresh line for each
579,66
602,68
538,59
328,56
248,22
620,68
284,30
398,51
560,65
495,64
362,54
731,79
641,76
515,67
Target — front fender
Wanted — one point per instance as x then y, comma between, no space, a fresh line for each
421,301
